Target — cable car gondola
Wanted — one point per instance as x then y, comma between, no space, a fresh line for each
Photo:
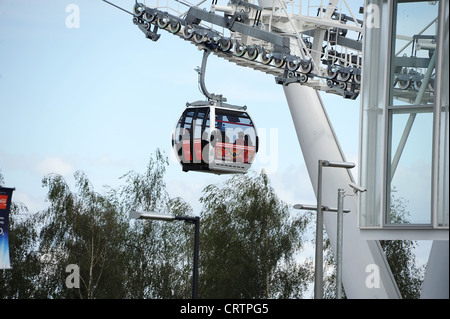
229,146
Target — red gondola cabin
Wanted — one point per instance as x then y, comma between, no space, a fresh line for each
229,147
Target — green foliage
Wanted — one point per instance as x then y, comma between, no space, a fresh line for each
401,259
160,256
147,191
86,229
116,258
400,254
248,242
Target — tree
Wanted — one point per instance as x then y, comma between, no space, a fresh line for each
157,251
145,191
400,254
81,228
116,258
248,242
160,256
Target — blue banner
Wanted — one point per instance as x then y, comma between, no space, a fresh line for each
5,206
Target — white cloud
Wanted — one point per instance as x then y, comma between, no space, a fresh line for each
189,186
34,201
54,165
293,185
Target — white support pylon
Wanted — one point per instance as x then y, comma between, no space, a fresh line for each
365,273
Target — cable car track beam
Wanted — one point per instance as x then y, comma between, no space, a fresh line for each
196,15
277,50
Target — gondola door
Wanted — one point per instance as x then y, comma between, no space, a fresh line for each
199,136
187,136
190,138
234,141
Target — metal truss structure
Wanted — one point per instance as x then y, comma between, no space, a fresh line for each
314,45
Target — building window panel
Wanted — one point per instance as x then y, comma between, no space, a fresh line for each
413,45
410,113
409,175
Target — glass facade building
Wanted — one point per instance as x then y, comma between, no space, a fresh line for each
404,116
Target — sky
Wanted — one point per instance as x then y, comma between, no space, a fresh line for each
101,98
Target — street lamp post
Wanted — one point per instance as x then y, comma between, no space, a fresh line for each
339,244
318,276
340,234
340,210
191,220
196,222
340,231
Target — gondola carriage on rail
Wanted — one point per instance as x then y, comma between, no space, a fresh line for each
227,146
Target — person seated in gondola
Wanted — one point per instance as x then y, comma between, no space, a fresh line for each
186,145
240,140
186,134
239,151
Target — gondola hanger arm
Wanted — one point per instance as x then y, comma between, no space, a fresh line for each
201,80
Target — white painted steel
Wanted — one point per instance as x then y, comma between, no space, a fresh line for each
435,283
318,141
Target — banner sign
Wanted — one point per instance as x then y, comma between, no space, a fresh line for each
5,206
